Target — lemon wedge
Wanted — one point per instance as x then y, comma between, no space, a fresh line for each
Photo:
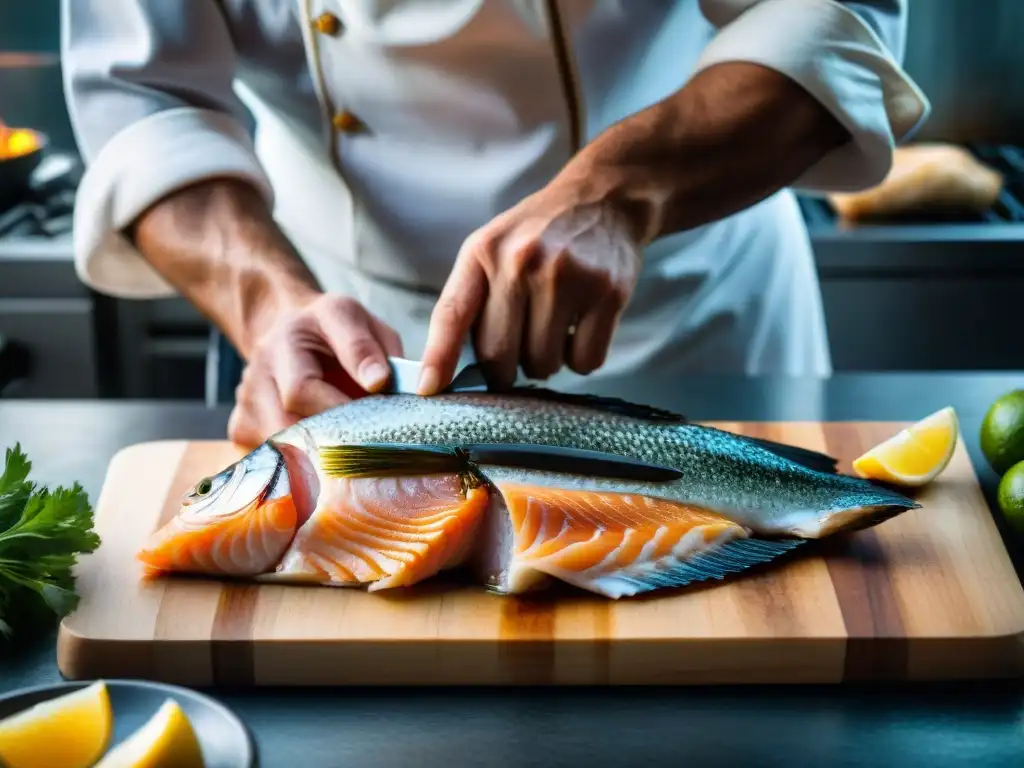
71,731
165,741
913,456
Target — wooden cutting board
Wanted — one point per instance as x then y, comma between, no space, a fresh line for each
930,594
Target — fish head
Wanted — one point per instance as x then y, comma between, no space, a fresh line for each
236,522
236,488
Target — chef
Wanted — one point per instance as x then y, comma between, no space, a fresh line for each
570,189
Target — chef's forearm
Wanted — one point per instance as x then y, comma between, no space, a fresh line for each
217,243
735,134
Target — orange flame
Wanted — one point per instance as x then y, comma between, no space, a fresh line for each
15,142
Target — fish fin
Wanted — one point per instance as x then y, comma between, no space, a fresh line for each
717,562
601,402
385,532
814,460
550,458
379,460
617,544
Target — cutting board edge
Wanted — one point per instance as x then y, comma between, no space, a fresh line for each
435,663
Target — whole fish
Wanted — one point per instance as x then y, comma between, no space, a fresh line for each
515,489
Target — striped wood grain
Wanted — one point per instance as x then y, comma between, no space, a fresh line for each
930,594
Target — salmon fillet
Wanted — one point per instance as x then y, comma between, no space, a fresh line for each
602,541
385,532
236,546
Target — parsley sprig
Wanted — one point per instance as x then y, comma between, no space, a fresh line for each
42,533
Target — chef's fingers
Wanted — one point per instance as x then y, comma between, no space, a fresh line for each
499,333
349,330
311,395
258,411
593,336
554,302
389,338
457,307
243,426
299,378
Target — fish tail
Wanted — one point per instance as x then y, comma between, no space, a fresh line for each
858,504
849,519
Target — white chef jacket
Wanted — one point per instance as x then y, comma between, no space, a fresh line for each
383,132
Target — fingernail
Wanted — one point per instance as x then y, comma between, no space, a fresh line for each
430,381
373,376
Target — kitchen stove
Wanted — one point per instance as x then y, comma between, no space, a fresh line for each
926,292
1007,159
45,211
47,316
928,246
81,343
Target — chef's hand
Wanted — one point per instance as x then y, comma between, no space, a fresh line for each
734,134
216,241
544,285
317,354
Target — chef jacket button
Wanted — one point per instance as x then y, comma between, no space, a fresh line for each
346,122
327,24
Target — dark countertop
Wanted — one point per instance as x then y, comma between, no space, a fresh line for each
927,725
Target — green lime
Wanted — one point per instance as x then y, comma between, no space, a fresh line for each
1011,495
1002,431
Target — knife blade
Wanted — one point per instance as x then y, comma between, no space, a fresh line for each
405,376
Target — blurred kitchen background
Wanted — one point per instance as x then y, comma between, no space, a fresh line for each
923,293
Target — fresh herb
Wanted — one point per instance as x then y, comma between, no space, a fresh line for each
42,532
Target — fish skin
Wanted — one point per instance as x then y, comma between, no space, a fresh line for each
738,503
721,470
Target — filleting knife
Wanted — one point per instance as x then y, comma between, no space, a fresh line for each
405,376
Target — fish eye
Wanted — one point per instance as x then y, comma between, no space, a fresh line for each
203,487
235,488
206,490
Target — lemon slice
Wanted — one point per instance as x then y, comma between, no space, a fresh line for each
71,731
165,741
916,455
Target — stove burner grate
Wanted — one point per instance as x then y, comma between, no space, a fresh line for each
47,208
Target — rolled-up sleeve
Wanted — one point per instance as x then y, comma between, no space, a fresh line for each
847,55
148,85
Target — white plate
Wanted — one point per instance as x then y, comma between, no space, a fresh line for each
225,741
